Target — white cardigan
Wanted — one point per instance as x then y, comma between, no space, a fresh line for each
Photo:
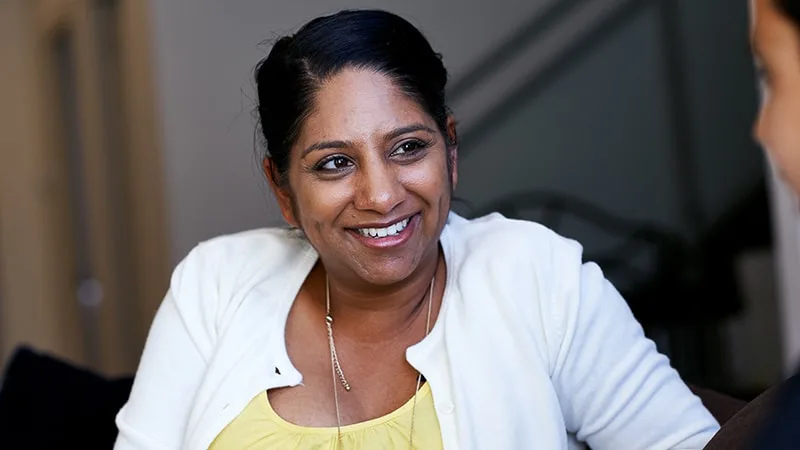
532,348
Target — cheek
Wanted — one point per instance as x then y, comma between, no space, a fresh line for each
778,128
779,133
429,178
763,123
317,203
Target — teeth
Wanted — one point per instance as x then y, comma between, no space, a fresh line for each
391,230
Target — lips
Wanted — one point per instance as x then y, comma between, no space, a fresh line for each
377,233
386,237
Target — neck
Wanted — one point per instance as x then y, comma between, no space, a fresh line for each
373,314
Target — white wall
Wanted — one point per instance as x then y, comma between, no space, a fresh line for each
205,53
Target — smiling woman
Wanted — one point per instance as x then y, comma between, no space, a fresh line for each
383,320
387,169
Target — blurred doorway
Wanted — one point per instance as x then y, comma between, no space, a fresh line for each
83,244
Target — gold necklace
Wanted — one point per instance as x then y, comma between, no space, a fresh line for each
336,369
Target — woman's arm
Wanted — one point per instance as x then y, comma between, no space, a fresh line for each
171,368
615,389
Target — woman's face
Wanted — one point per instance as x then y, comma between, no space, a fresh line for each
776,44
368,179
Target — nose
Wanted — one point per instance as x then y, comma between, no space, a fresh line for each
758,128
761,125
378,188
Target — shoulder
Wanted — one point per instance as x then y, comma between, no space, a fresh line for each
224,268
495,239
242,255
525,268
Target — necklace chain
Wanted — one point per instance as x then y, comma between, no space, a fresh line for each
336,368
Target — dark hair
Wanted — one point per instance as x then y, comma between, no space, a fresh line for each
791,8
298,65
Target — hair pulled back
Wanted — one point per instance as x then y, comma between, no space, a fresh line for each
298,65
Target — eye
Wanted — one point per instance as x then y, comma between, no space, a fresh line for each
409,147
334,163
764,83
762,74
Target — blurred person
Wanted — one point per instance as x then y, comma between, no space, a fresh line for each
775,37
381,319
776,47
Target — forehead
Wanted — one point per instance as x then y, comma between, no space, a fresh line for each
358,103
768,26
759,13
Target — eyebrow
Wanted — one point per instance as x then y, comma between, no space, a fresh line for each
325,145
408,129
338,144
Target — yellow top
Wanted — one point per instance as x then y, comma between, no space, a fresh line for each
258,426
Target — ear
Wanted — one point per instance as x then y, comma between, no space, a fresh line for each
281,191
452,150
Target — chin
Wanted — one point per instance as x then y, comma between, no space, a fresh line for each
385,276
789,179
794,184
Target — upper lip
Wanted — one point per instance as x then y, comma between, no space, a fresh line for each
383,224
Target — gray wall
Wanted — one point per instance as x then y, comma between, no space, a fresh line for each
724,101
599,132
602,130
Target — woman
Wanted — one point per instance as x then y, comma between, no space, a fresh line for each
383,320
776,47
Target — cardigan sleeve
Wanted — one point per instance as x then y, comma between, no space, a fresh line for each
171,367
615,389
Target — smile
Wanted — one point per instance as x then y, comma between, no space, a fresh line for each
391,230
